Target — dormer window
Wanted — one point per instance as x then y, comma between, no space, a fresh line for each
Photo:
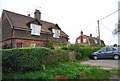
84,40
56,33
35,29
95,40
78,41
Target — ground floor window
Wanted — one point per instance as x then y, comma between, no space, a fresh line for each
19,45
78,41
34,45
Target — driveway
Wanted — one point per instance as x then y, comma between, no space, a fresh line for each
103,64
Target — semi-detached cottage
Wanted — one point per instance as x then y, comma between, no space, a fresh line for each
25,31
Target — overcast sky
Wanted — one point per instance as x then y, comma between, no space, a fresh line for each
72,15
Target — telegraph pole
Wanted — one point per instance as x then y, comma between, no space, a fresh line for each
99,41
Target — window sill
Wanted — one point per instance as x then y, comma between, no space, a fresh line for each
34,35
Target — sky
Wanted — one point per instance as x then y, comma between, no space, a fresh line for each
73,16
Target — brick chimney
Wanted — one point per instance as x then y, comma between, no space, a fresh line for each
81,32
90,35
98,37
28,15
37,14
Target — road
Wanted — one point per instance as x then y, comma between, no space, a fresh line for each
105,64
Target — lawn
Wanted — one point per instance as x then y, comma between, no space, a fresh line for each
72,70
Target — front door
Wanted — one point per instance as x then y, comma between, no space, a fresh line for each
19,45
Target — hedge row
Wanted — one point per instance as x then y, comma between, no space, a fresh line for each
31,59
82,52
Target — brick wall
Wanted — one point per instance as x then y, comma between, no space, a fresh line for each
81,38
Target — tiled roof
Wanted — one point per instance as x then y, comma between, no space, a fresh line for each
21,21
92,41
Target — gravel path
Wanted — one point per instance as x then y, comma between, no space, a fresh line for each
105,64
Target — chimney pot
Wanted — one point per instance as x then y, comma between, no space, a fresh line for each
37,14
28,15
90,35
81,32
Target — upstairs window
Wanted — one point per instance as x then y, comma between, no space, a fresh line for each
56,33
84,40
95,40
35,29
78,41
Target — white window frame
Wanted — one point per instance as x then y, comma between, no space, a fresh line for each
32,45
56,33
36,29
84,40
95,40
78,41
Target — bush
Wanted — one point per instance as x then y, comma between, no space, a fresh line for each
57,56
31,59
7,46
64,48
17,60
82,53
50,45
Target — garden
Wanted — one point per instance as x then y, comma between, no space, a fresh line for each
46,63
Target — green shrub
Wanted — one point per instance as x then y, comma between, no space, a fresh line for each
7,46
64,48
31,59
82,53
50,45
57,56
22,60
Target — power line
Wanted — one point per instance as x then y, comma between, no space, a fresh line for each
109,14
105,26
104,18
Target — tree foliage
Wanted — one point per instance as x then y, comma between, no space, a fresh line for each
117,29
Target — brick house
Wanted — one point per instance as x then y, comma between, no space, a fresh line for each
25,31
89,40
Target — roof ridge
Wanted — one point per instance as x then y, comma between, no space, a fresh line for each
17,13
26,16
91,37
47,22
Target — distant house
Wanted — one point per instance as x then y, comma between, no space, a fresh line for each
25,31
89,40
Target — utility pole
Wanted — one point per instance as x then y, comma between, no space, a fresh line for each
99,41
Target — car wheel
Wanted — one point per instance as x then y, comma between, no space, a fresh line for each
116,57
95,57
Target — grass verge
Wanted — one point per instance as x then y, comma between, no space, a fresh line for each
70,69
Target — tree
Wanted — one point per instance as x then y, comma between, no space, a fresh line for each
115,45
117,29
7,46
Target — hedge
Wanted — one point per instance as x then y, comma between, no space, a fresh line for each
82,52
31,59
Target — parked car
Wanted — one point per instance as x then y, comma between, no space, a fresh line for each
107,52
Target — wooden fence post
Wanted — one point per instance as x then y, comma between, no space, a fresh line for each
72,56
